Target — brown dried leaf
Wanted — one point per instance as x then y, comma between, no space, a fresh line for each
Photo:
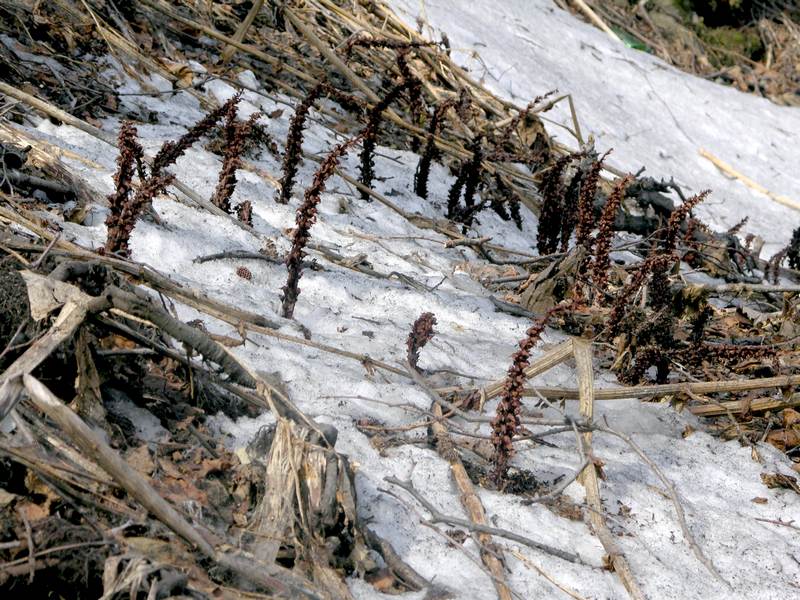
779,480
139,458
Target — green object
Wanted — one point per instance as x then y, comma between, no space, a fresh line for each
630,41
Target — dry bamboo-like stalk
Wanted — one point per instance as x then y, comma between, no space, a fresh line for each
585,372
553,357
470,501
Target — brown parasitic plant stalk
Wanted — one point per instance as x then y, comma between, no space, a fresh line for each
429,152
370,133
507,417
421,333
118,222
605,234
550,214
678,216
125,209
305,219
585,224
236,136
294,144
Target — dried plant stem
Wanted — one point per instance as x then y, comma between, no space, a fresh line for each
673,496
438,517
585,373
469,500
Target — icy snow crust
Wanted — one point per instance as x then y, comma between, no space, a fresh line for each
716,481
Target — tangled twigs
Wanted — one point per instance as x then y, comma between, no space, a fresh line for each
438,517
421,334
306,217
271,577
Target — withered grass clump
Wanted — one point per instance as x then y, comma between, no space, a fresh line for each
365,41
421,333
605,234
294,144
306,217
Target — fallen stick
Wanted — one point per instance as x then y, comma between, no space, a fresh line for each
729,170
595,18
69,319
585,371
552,358
646,391
739,406
241,31
438,517
530,564
739,288
469,499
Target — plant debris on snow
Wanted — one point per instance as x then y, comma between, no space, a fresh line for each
213,385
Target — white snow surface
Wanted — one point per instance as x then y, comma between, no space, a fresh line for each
651,114
625,98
